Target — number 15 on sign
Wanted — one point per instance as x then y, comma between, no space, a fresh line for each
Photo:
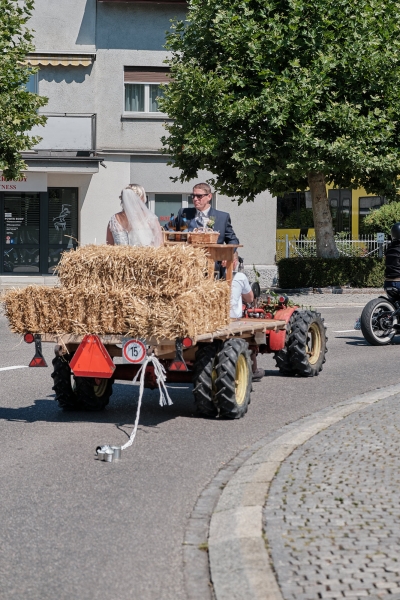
134,352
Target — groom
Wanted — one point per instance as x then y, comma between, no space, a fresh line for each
202,211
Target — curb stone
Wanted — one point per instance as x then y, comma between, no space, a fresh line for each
224,540
327,290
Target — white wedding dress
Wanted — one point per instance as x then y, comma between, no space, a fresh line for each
144,227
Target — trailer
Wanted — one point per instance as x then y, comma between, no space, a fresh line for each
219,364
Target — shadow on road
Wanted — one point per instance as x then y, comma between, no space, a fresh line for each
362,342
121,410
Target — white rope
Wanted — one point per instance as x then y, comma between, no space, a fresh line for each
164,396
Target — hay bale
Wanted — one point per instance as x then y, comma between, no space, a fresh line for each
83,309
163,271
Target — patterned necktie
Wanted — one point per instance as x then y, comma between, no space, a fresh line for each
201,219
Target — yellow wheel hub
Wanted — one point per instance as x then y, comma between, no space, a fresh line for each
314,343
241,379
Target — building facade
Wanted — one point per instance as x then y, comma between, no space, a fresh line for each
100,65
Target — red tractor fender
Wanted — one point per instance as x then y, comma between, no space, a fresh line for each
277,338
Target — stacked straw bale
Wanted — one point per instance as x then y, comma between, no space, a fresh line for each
165,271
157,293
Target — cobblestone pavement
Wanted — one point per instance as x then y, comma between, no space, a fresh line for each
332,518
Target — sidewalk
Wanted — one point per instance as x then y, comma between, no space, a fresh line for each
332,517
319,300
20,281
315,512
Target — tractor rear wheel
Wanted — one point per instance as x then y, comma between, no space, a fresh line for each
61,374
233,382
93,394
307,343
78,393
204,375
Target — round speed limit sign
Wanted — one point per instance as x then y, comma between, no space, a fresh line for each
134,351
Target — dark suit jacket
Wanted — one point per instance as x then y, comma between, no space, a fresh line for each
222,224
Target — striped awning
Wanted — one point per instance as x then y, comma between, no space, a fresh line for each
60,59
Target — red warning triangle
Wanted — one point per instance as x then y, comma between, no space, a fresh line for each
178,365
92,359
38,361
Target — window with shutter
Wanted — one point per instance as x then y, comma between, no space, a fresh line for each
143,88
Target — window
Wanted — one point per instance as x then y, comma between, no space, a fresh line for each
167,204
62,223
368,203
32,84
294,211
142,88
21,226
36,227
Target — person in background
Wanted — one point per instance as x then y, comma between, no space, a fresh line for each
392,259
135,225
241,292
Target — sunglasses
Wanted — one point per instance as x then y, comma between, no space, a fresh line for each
200,196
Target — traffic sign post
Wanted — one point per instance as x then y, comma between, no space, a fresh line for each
380,238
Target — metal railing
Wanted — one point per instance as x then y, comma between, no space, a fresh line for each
67,131
365,245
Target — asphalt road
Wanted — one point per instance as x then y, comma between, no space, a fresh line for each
73,527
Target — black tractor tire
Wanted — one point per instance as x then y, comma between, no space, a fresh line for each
372,325
93,396
61,375
234,379
307,343
282,358
81,393
203,379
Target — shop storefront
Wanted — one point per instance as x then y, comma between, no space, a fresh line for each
37,224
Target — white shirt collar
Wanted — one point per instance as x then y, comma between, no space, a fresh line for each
203,212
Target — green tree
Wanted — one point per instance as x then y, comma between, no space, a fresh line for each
381,219
287,94
18,107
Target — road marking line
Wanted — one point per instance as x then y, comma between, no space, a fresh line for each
339,305
11,368
346,330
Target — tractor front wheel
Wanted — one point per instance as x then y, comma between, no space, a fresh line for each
234,376
307,343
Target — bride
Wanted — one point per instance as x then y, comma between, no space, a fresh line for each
135,225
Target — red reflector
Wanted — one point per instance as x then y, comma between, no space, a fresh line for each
92,359
282,299
29,338
177,365
187,342
38,361
269,316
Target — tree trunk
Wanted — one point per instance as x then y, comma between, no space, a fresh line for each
326,245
